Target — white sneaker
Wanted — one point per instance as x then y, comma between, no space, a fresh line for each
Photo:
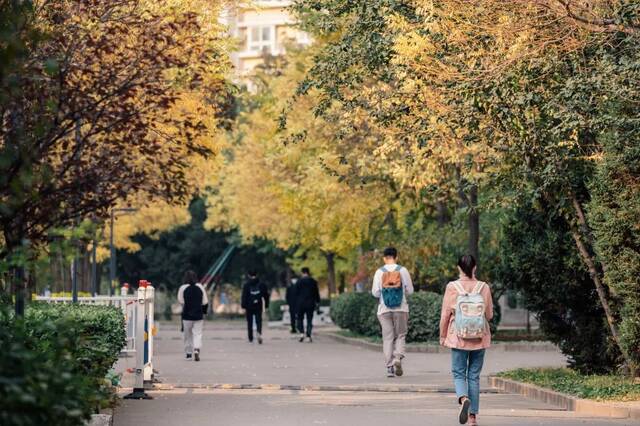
391,372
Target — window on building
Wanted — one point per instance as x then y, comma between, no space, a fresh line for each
261,38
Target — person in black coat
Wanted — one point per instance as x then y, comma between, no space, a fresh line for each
307,301
290,297
253,294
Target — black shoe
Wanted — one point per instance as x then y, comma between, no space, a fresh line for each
196,355
188,356
310,339
293,331
259,339
463,416
301,339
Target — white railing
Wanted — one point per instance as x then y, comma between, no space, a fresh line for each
138,311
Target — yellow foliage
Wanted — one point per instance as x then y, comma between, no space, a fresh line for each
280,184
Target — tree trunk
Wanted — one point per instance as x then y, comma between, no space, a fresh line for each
442,214
471,202
474,224
595,274
331,273
13,240
343,283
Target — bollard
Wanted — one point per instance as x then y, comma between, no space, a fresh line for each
124,291
140,344
149,334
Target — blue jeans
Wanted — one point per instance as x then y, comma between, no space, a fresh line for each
466,367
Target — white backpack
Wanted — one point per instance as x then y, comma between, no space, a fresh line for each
469,319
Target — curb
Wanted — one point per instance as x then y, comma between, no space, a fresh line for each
315,388
437,349
100,420
566,402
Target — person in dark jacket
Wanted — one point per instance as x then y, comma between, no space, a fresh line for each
290,297
307,301
253,294
193,298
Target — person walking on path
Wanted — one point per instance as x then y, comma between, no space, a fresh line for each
253,294
467,308
290,298
193,298
392,284
307,301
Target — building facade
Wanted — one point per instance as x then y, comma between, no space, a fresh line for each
263,28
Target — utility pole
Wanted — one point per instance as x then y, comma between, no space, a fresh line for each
94,269
112,258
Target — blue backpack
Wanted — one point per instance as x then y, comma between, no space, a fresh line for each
470,322
392,288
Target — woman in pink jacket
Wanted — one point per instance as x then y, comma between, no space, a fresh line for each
470,298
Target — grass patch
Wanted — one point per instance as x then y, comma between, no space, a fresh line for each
598,387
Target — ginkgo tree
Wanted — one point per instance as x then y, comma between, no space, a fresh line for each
278,183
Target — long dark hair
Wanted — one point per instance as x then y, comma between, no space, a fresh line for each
190,277
467,263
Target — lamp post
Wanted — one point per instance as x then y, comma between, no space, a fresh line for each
112,257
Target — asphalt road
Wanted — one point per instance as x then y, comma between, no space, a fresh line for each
228,359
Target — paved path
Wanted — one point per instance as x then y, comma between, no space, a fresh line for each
228,359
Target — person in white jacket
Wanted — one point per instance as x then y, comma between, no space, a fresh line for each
391,285
193,297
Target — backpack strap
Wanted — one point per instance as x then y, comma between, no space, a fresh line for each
398,268
478,288
459,287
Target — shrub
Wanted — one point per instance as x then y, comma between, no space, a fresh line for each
275,311
424,317
39,380
539,259
613,213
55,360
357,312
99,330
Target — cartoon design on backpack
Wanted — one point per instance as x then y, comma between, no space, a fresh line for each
470,321
392,290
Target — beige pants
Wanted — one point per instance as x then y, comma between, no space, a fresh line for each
192,335
394,333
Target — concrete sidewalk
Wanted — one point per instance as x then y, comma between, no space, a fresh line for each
228,359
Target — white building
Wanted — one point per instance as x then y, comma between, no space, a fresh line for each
262,27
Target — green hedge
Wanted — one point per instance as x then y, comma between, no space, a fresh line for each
424,316
357,312
54,361
99,331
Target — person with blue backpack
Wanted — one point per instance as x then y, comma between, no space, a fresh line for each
391,285
467,308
